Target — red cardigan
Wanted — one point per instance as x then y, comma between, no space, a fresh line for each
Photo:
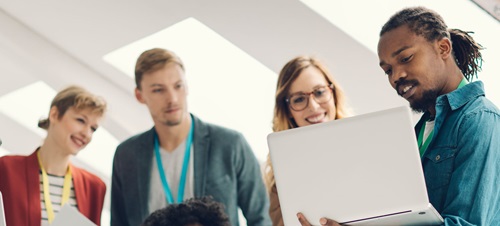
20,187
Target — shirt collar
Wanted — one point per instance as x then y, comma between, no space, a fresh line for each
460,97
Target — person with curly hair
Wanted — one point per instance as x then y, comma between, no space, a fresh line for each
202,211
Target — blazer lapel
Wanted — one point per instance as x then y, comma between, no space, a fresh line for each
201,141
80,195
144,158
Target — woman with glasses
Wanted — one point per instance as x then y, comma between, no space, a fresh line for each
306,94
35,187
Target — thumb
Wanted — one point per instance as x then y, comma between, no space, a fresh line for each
328,222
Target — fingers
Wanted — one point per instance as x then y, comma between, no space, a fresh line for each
323,221
303,221
328,222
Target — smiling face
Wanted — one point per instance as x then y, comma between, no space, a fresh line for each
73,131
164,92
311,79
415,67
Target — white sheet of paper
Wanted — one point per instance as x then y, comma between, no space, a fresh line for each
71,216
2,213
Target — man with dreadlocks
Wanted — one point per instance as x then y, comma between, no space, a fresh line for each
432,67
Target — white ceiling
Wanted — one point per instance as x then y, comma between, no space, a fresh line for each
63,42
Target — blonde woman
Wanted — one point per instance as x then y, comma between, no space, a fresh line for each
35,187
306,94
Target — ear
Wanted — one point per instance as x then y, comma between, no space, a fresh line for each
53,114
444,48
138,95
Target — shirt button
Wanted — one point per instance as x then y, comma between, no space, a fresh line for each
438,157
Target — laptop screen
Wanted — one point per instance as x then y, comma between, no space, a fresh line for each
350,169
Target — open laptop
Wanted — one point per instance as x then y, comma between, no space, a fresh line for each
2,212
362,170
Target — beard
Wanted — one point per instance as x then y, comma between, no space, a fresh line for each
423,104
427,101
172,121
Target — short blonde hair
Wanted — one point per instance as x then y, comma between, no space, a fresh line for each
75,97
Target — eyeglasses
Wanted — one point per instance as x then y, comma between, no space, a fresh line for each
300,101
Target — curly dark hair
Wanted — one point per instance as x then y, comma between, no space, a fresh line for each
204,211
429,24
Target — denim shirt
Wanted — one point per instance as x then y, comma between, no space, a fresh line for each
462,163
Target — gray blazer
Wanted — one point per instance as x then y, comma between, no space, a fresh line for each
224,167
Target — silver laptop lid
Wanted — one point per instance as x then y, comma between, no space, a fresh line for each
349,169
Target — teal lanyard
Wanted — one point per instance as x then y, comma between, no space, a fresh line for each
423,146
182,183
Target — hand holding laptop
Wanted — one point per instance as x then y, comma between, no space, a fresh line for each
323,221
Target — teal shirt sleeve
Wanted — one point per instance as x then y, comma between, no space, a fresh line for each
473,195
